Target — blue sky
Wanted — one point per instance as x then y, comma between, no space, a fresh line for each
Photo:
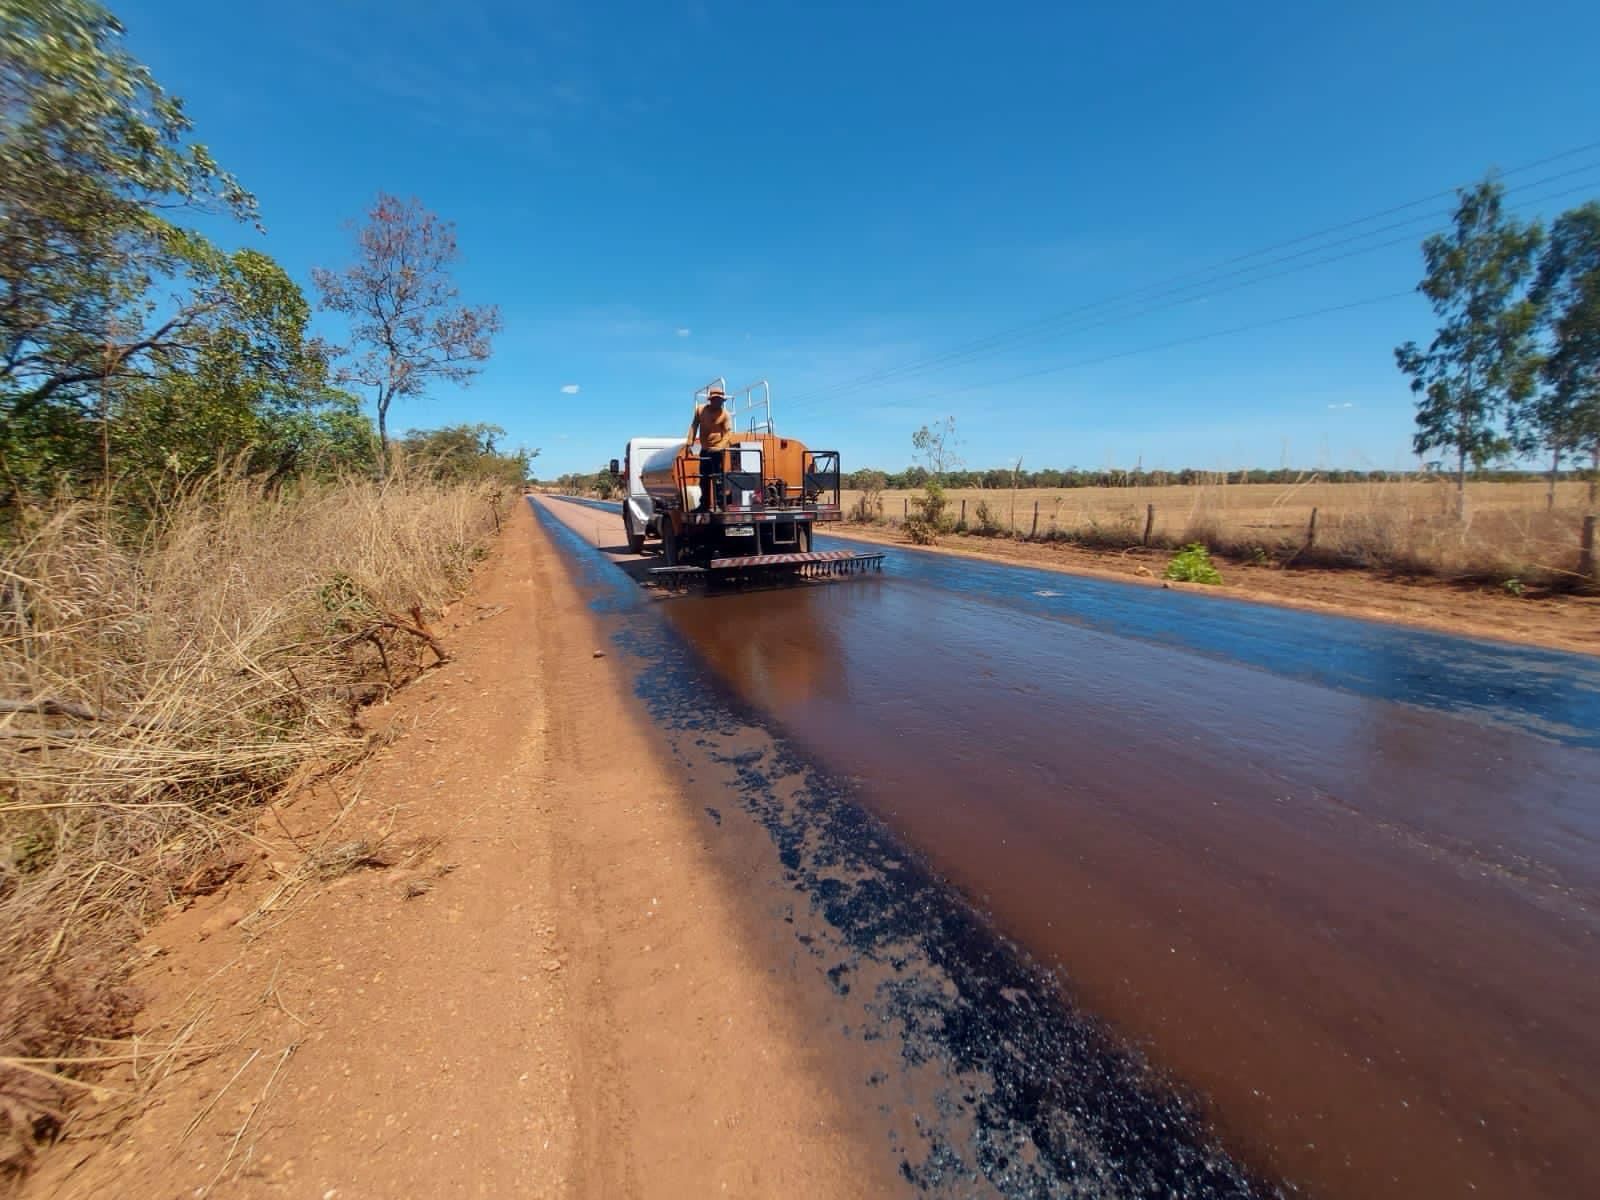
659,193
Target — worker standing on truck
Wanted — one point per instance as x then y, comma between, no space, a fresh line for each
713,423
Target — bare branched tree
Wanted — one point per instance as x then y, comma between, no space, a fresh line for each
936,445
407,324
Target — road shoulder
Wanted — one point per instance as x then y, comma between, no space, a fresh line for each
491,961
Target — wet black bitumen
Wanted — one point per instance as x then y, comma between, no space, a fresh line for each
1012,1088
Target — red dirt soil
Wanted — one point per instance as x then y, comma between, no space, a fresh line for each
547,992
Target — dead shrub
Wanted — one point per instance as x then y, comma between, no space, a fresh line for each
986,522
868,507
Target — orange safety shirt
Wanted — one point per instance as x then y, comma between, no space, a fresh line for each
715,428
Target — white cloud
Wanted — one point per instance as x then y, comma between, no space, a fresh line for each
1346,404
572,389
681,332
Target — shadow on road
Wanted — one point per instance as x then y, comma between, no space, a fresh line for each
635,566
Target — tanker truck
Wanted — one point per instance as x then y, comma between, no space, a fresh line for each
753,519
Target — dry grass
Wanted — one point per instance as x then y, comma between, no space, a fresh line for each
153,691
1404,524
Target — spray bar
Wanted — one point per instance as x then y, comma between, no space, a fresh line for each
769,569
774,560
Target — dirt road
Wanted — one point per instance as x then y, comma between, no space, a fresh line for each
549,992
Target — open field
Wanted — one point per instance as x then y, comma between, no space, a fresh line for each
1406,525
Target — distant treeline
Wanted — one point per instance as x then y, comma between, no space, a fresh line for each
869,479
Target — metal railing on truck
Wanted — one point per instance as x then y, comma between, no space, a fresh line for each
822,475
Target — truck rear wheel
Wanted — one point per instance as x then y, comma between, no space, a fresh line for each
802,537
635,540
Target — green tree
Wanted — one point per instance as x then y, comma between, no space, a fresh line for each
1479,366
254,390
463,452
1565,414
406,319
98,286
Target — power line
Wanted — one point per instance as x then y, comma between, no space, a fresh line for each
1170,284
1183,341
1078,327
1439,195
1063,323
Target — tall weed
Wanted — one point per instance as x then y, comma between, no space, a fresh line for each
155,686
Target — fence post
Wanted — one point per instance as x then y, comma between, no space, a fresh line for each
1149,521
905,507
1035,533
1311,530
963,512
1586,563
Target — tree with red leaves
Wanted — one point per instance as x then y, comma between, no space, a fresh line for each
406,320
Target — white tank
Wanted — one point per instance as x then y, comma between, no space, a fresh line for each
653,472
658,479
640,450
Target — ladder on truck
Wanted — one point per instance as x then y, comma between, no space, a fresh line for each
757,409
754,414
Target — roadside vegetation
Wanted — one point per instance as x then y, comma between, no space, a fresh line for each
1405,526
209,557
1193,564
598,485
155,692
936,446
